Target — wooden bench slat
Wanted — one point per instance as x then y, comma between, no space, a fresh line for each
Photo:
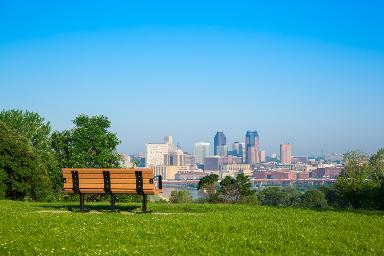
114,191
111,171
112,176
122,186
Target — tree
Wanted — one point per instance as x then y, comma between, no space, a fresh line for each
37,132
233,190
88,144
208,186
361,183
23,173
312,199
180,197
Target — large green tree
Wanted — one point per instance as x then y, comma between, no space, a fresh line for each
23,173
37,132
88,144
232,190
360,185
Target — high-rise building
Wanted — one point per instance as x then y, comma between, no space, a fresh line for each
239,148
154,153
169,141
285,153
219,140
222,150
262,156
201,151
252,147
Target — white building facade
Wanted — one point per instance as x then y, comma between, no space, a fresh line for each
201,151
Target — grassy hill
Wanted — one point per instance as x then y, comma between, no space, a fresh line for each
194,229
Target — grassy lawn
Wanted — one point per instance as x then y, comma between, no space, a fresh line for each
194,229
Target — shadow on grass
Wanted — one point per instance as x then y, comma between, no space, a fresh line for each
73,207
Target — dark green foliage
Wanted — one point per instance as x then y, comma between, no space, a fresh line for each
314,199
23,174
37,132
233,190
88,144
360,185
208,186
3,187
180,197
275,196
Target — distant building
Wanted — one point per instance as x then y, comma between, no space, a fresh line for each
278,174
262,156
285,154
191,175
189,160
327,172
126,163
201,151
154,154
239,148
175,158
220,140
168,140
221,150
231,160
212,163
252,147
236,168
299,159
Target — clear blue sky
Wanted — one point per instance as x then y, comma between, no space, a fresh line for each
306,72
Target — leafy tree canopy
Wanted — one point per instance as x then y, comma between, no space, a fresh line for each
88,144
208,185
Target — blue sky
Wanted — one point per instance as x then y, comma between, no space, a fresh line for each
310,72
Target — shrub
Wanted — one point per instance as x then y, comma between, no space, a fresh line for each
180,197
312,199
275,196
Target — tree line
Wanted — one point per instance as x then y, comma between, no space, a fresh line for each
359,186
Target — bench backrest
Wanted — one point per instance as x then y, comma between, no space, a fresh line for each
114,181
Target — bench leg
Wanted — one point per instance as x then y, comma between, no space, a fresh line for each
82,202
113,202
144,207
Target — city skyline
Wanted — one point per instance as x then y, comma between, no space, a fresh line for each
307,73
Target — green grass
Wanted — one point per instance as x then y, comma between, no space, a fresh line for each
194,229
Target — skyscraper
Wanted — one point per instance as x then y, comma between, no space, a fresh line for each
219,140
201,151
252,147
285,153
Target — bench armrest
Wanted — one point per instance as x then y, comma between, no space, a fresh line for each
158,182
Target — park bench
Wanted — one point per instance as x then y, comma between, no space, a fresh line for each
133,181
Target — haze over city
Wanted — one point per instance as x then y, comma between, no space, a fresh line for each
190,70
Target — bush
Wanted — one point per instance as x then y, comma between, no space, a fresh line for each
180,197
312,199
23,173
275,196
